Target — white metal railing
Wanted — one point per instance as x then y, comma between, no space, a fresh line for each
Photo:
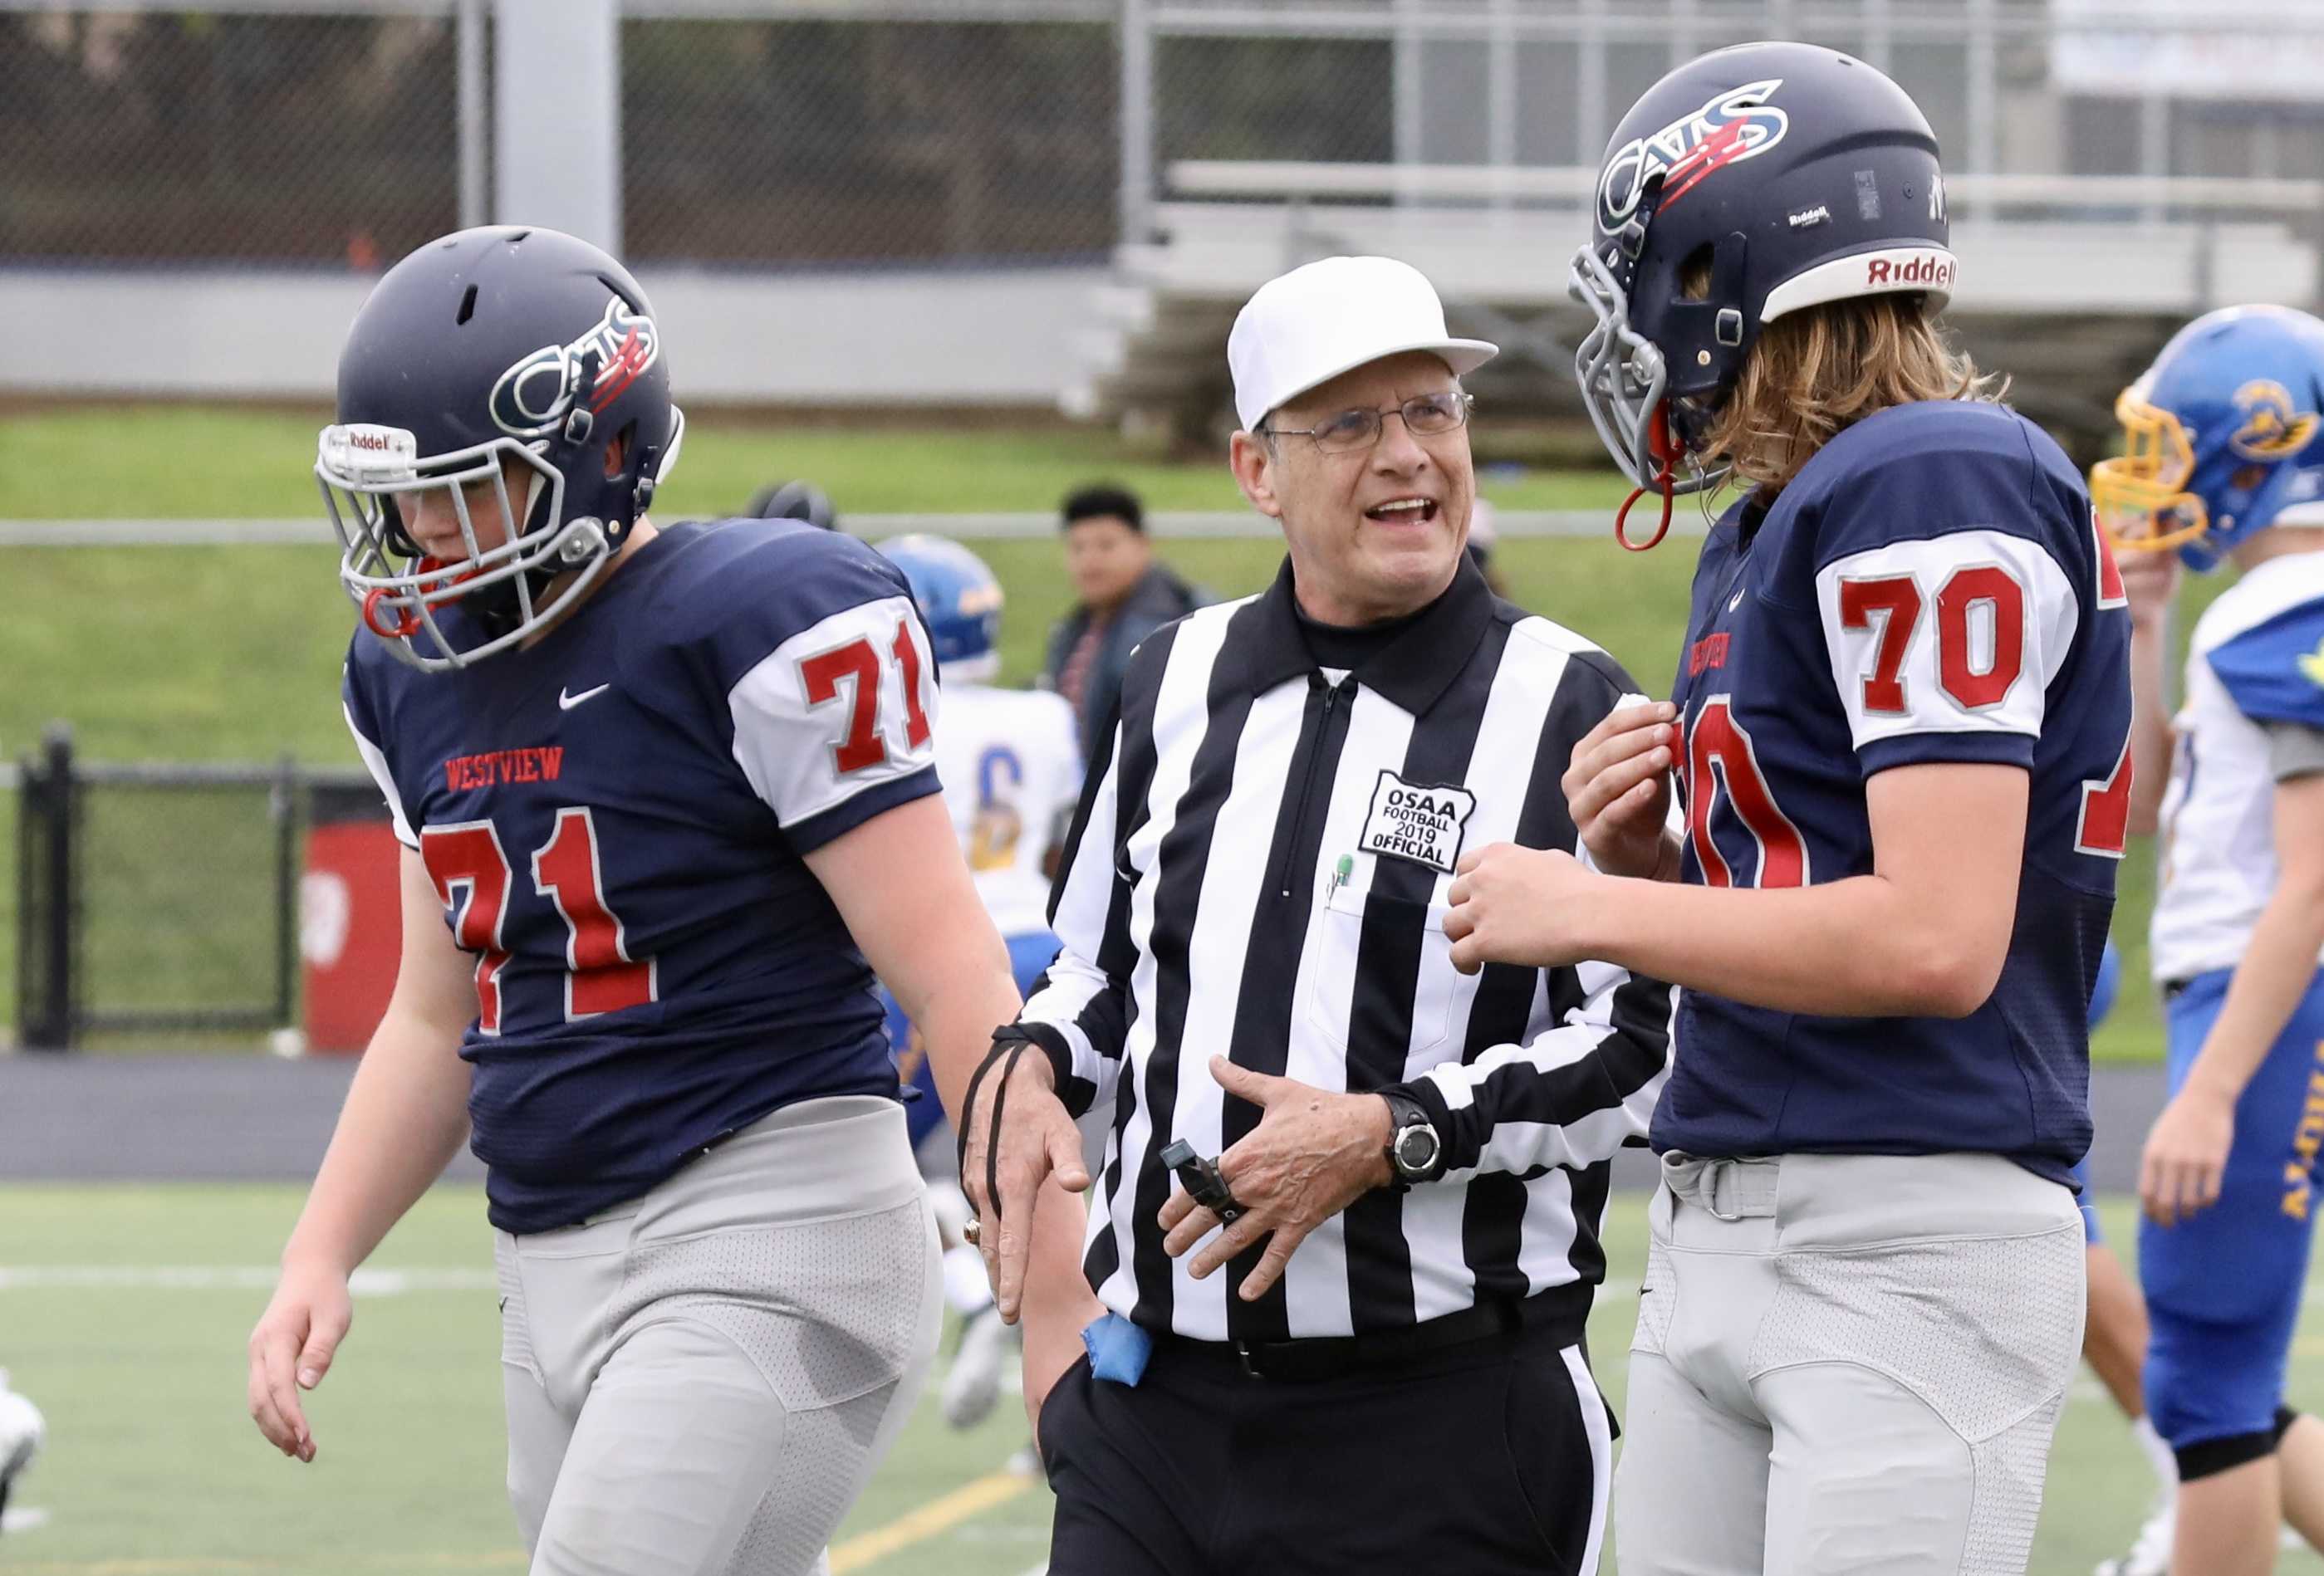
307,531
2064,195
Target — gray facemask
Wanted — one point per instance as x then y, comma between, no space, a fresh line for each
1623,377
365,468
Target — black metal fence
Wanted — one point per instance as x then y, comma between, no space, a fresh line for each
159,898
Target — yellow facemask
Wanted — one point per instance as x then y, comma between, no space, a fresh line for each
2141,498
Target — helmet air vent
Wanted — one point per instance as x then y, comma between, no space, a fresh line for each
467,306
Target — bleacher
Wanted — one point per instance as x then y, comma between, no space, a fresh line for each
2081,277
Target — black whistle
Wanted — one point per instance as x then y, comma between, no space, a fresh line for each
1201,1181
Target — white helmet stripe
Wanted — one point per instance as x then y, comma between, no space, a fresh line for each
1928,268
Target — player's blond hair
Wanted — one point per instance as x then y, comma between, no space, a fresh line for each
1815,371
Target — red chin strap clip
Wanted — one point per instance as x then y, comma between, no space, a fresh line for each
431,574
1665,449
407,623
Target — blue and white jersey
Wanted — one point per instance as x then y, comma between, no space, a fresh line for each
616,819
2257,660
1012,764
1931,587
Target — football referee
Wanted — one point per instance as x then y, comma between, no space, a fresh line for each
1356,1345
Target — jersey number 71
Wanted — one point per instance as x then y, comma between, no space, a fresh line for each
855,669
472,876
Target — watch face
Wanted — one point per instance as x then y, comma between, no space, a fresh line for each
1415,1148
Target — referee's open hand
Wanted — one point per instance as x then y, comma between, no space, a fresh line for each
1038,1139
1313,1153
1513,904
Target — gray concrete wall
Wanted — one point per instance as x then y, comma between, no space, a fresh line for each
954,337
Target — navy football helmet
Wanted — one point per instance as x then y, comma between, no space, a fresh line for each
1796,175
794,501
494,352
2223,434
959,600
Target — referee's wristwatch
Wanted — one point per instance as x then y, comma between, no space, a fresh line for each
1414,1151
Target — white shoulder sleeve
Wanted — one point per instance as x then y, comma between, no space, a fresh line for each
845,705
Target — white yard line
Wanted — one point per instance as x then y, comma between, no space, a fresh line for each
365,1283
234,1278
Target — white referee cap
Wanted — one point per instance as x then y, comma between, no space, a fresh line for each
1308,326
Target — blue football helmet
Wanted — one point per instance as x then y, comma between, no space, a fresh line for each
491,352
2220,436
959,600
1799,175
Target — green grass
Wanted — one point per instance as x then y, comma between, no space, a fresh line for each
154,1468
233,652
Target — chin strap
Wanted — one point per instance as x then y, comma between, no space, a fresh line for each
434,576
1663,449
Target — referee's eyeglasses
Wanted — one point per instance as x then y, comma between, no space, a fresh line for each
1424,416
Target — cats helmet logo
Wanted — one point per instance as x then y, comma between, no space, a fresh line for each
2274,428
534,397
1736,125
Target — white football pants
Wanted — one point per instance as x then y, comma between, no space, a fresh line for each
701,1382
1847,1363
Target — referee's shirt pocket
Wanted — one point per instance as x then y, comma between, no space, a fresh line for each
1345,999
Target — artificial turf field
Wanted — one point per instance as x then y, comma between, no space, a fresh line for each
124,1311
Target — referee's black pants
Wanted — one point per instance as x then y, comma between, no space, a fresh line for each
1487,1458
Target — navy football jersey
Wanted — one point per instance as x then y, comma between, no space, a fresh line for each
616,818
1931,587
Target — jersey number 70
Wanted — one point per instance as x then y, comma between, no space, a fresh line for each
1893,605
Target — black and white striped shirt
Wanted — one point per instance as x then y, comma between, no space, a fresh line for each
1259,867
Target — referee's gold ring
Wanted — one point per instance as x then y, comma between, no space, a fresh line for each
972,1230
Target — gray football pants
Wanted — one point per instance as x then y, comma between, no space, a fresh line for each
1847,1363
701,1382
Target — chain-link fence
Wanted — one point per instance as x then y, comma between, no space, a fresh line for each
184,137
775,133
811,140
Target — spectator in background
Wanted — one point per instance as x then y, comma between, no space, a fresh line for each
1122,595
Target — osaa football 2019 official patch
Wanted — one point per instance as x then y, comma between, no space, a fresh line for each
1419,821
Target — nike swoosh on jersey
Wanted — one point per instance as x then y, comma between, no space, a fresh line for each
566,703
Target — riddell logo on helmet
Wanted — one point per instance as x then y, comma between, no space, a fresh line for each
1731,127
1925,270
359,438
